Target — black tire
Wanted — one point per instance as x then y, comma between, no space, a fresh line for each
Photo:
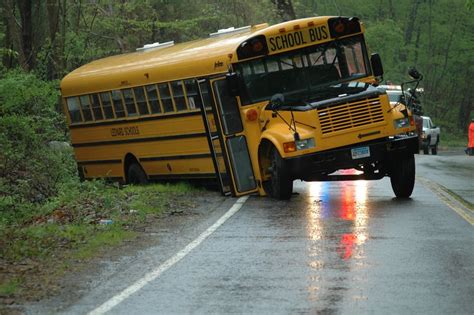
426,146
434,150
136,175
402,176
280,185
426,149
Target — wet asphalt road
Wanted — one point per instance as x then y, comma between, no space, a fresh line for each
342,247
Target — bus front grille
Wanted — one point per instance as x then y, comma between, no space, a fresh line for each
350,115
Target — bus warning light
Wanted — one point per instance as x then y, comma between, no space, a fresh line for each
339,27
257,46
342,26
251,115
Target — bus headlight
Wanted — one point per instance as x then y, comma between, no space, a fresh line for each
401,123
304,144
298,145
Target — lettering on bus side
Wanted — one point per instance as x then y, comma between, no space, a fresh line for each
299,38
125,131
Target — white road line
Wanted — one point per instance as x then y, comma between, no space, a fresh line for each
119,298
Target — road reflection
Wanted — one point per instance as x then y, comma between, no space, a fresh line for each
336,227
354,209
326,208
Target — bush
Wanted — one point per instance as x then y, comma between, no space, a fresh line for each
30,170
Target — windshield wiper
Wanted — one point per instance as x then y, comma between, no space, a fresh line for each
330,45
276,103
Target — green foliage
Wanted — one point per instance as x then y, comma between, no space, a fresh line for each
72,219
382,37
30,169
25,95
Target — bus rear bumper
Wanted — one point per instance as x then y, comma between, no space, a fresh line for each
374,163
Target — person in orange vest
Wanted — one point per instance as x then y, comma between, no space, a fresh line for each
470,135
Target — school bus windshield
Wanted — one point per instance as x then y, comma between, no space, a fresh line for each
306,73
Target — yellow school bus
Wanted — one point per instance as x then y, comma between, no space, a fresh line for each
255,107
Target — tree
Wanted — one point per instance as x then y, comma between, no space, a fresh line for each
284,9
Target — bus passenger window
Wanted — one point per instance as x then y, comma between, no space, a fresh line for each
178,95
86,107
107,105
141,101
96,107
152,94
206,96
129,102
73,109
166,97
194,100
118,104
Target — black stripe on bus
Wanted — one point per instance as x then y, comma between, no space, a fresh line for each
81,163
184,176
125,121
176,157
149,139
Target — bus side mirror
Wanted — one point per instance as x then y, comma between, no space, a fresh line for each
376,63
414,73
232,81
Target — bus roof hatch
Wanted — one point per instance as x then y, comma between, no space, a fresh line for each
156,45
230,30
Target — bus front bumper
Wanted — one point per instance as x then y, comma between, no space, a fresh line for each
375,160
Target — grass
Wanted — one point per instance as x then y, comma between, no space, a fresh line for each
70,227
102,240
10,287
452,138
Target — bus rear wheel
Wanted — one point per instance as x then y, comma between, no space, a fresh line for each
136,175
280,185
402,176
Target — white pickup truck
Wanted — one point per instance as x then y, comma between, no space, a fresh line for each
429,136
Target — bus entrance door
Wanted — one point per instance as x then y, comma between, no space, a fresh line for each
227,142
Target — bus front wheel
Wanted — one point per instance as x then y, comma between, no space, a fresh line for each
136,175
402,176
280,185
